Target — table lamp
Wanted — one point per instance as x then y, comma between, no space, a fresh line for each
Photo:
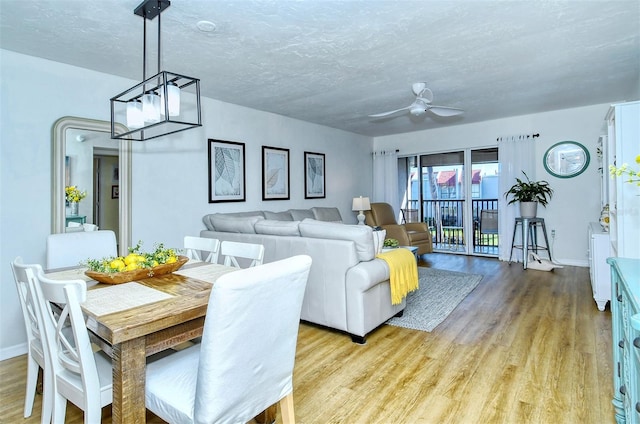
361,204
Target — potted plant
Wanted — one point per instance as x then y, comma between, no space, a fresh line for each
529,194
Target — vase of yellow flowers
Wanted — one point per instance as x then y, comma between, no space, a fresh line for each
73,196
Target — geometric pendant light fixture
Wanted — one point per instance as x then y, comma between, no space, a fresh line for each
162,104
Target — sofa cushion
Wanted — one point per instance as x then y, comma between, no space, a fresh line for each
233,224
279,216
277,228
361,235
208,219
300,214
327,214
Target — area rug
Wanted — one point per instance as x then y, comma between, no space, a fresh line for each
439,294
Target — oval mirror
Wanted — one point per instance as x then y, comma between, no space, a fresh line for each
70,129
566,159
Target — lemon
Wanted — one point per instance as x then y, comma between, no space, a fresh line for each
117,264
131,258
171,259
132,266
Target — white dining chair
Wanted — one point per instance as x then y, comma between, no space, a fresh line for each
196,246
232,250
36,357
226,379
69,249
82,376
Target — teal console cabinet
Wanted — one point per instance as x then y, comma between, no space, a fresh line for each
625,315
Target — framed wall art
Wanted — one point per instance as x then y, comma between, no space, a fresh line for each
314,182
115,191
275,173
226,171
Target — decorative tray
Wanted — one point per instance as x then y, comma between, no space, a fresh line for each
138,274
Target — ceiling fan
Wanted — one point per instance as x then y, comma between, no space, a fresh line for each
422,104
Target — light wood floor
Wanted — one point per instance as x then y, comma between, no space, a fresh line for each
523,347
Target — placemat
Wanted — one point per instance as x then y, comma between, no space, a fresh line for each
119,297
209,273
69,274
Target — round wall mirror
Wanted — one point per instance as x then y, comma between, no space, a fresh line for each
566,159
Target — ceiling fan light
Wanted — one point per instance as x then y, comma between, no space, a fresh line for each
417,111
173,92
134,114
151,106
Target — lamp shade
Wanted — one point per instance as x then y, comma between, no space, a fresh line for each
174,99
361,204
151,106
135,119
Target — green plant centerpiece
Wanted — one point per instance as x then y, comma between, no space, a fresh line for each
390,242
529,194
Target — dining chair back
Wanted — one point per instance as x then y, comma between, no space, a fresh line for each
245,361
81,376
69,249
196,247
232,250
36,358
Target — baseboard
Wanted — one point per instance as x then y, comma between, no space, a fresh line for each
573,262
568,262
13,351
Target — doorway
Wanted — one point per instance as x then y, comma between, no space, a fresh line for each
106,189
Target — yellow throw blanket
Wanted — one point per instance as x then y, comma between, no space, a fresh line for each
403,272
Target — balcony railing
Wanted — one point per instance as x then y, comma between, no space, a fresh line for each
445,218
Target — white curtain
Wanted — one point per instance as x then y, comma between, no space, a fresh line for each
515,155
385,177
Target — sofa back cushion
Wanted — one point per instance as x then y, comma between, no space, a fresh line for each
277,228
208,219
300,214
327,214
361,235
278,216
234,224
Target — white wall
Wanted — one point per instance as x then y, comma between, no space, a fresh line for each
575,202
169,174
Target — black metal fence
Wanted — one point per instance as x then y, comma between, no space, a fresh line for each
445,218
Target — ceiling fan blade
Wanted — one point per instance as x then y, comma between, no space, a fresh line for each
381,115
445,111
426,95
418,87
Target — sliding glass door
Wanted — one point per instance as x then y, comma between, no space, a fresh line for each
456,194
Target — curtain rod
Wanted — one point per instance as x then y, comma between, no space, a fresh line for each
528,135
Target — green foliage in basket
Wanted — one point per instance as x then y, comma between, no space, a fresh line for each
136,259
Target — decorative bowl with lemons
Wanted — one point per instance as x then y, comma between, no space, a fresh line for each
137,265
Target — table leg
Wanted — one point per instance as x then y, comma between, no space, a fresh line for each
129,368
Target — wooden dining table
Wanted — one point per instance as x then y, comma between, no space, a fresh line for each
133,321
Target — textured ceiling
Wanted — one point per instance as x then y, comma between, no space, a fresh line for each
333,62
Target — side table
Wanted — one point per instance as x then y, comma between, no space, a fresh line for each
80,219
413,250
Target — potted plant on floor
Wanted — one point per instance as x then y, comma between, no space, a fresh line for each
529,194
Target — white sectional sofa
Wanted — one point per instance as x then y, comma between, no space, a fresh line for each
348,288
